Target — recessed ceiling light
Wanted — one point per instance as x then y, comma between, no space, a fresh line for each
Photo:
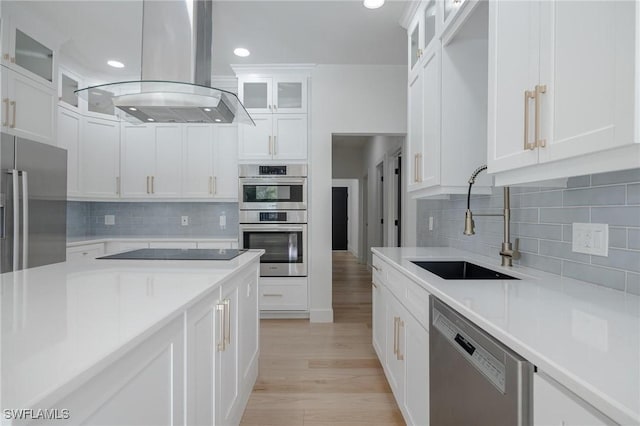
115,64
241,51
373,4
150,119
217,120
133,109
207,109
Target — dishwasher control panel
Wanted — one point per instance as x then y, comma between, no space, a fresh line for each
480,358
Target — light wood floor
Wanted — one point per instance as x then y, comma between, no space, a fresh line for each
324,374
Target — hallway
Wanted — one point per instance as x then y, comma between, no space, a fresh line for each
324,374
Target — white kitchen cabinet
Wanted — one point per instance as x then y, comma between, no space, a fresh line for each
145,386
552,113
248,326
151,161
273,94
400,337
275,137
100,154
69,138
284,294
228,384
422,32
210,161
447,105
68,83
553,404
28,107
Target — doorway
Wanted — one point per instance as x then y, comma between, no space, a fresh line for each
339,217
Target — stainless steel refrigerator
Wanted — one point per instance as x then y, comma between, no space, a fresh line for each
33,204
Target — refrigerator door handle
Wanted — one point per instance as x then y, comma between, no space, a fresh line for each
25,220
16,219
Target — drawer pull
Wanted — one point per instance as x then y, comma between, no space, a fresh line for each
374,284
272,295
376,268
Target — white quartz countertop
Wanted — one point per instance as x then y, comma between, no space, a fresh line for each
64,322
79,241
585,336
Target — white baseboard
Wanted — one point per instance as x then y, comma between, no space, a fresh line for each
284,315
321,315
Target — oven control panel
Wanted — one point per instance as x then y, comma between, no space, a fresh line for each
273,216
273,170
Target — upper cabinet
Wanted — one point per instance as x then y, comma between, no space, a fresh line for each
447,95
100,154
276,94
277,99
563,89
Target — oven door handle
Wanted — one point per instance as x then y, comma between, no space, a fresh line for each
274,228
272,181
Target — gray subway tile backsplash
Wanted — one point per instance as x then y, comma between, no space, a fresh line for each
161,219
543,217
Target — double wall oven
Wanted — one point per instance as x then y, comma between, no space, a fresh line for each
273,217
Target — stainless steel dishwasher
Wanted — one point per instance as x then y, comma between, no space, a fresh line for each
474,380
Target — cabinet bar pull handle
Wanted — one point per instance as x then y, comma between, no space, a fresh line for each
395,335
147,184
270,145
221,318
528,95
376,268
227,322
400,356
6,56
374,284
117,185
211,185
153,189
13,125
215,185
415,167
540,90
6,112
272,295
274,146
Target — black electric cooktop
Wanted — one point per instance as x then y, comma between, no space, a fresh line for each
176,254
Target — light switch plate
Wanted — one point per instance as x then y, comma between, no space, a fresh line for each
591,238
184,220
109,219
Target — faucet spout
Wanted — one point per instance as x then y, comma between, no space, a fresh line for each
507,252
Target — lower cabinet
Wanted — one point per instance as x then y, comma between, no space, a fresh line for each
283,294
553,404
402,344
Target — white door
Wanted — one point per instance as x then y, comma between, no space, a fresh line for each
415,349
100,154
429,166
290,94
198,152
31,108
587,64
514,49
225,161
69,123
290,137
256,141
414,137
166,180
228,372
138,159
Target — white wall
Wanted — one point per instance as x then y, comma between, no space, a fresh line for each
353,212
379,150
351,99
347,161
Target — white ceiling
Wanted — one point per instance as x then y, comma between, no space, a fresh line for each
294,31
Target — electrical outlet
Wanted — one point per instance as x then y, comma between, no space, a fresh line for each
430,223
591,238
223,221
109,219
184,220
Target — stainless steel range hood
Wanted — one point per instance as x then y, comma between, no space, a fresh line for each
176,71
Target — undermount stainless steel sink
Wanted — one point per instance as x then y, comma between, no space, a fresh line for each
461,270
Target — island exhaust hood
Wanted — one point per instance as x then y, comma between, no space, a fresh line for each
175,86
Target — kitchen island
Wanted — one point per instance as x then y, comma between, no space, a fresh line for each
130,342
583,339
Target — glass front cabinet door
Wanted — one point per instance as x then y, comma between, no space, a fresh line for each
287,94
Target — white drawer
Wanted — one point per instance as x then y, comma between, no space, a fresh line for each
411,295
89,251
379,271
283,294
175,244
